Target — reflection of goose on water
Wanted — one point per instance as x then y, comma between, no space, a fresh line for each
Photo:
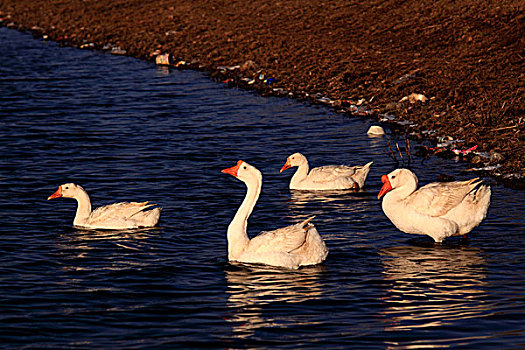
251,288
432,287
128,239
82,250
328,205
332,197
290,247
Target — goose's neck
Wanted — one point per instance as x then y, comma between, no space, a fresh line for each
83,208
401,193
300,174
237,235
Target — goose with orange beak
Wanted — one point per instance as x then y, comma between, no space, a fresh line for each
439,210
117,216
290,247
328,177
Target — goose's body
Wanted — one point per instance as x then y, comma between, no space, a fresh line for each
439,210
328,177
117,216
291,247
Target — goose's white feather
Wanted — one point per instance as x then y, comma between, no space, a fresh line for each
439,210
117,216
328,177
291,247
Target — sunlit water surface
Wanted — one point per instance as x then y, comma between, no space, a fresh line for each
127,130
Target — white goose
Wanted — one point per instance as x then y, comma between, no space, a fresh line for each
439,209
117,216
328,177
289,247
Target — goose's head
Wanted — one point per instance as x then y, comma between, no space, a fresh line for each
397,179
295,159
244,172
69,190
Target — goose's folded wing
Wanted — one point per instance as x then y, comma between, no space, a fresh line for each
122,211
285,239
437,199
329,173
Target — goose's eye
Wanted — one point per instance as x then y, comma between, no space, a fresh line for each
244,167
293,157
67,187
393,177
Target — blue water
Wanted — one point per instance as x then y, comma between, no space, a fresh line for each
127,130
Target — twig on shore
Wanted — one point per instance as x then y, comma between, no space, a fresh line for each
407,143
400,154
392,154
503,109
505,127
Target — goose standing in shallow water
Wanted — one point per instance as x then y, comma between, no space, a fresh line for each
328,177
117,216
439,209
291,247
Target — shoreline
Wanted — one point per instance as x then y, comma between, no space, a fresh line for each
458,94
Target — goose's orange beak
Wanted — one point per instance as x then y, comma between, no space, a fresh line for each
233,170
57,194
286,165
386,186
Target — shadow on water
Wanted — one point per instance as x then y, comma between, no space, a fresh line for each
431,288
318,203
81,234
259,295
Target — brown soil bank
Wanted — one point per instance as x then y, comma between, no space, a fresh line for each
466,56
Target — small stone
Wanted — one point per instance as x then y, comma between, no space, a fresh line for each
248,65
413,98
375,130
476,160
496,157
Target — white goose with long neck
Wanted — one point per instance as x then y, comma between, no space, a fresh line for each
117,216
237,230
292,246
327,177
